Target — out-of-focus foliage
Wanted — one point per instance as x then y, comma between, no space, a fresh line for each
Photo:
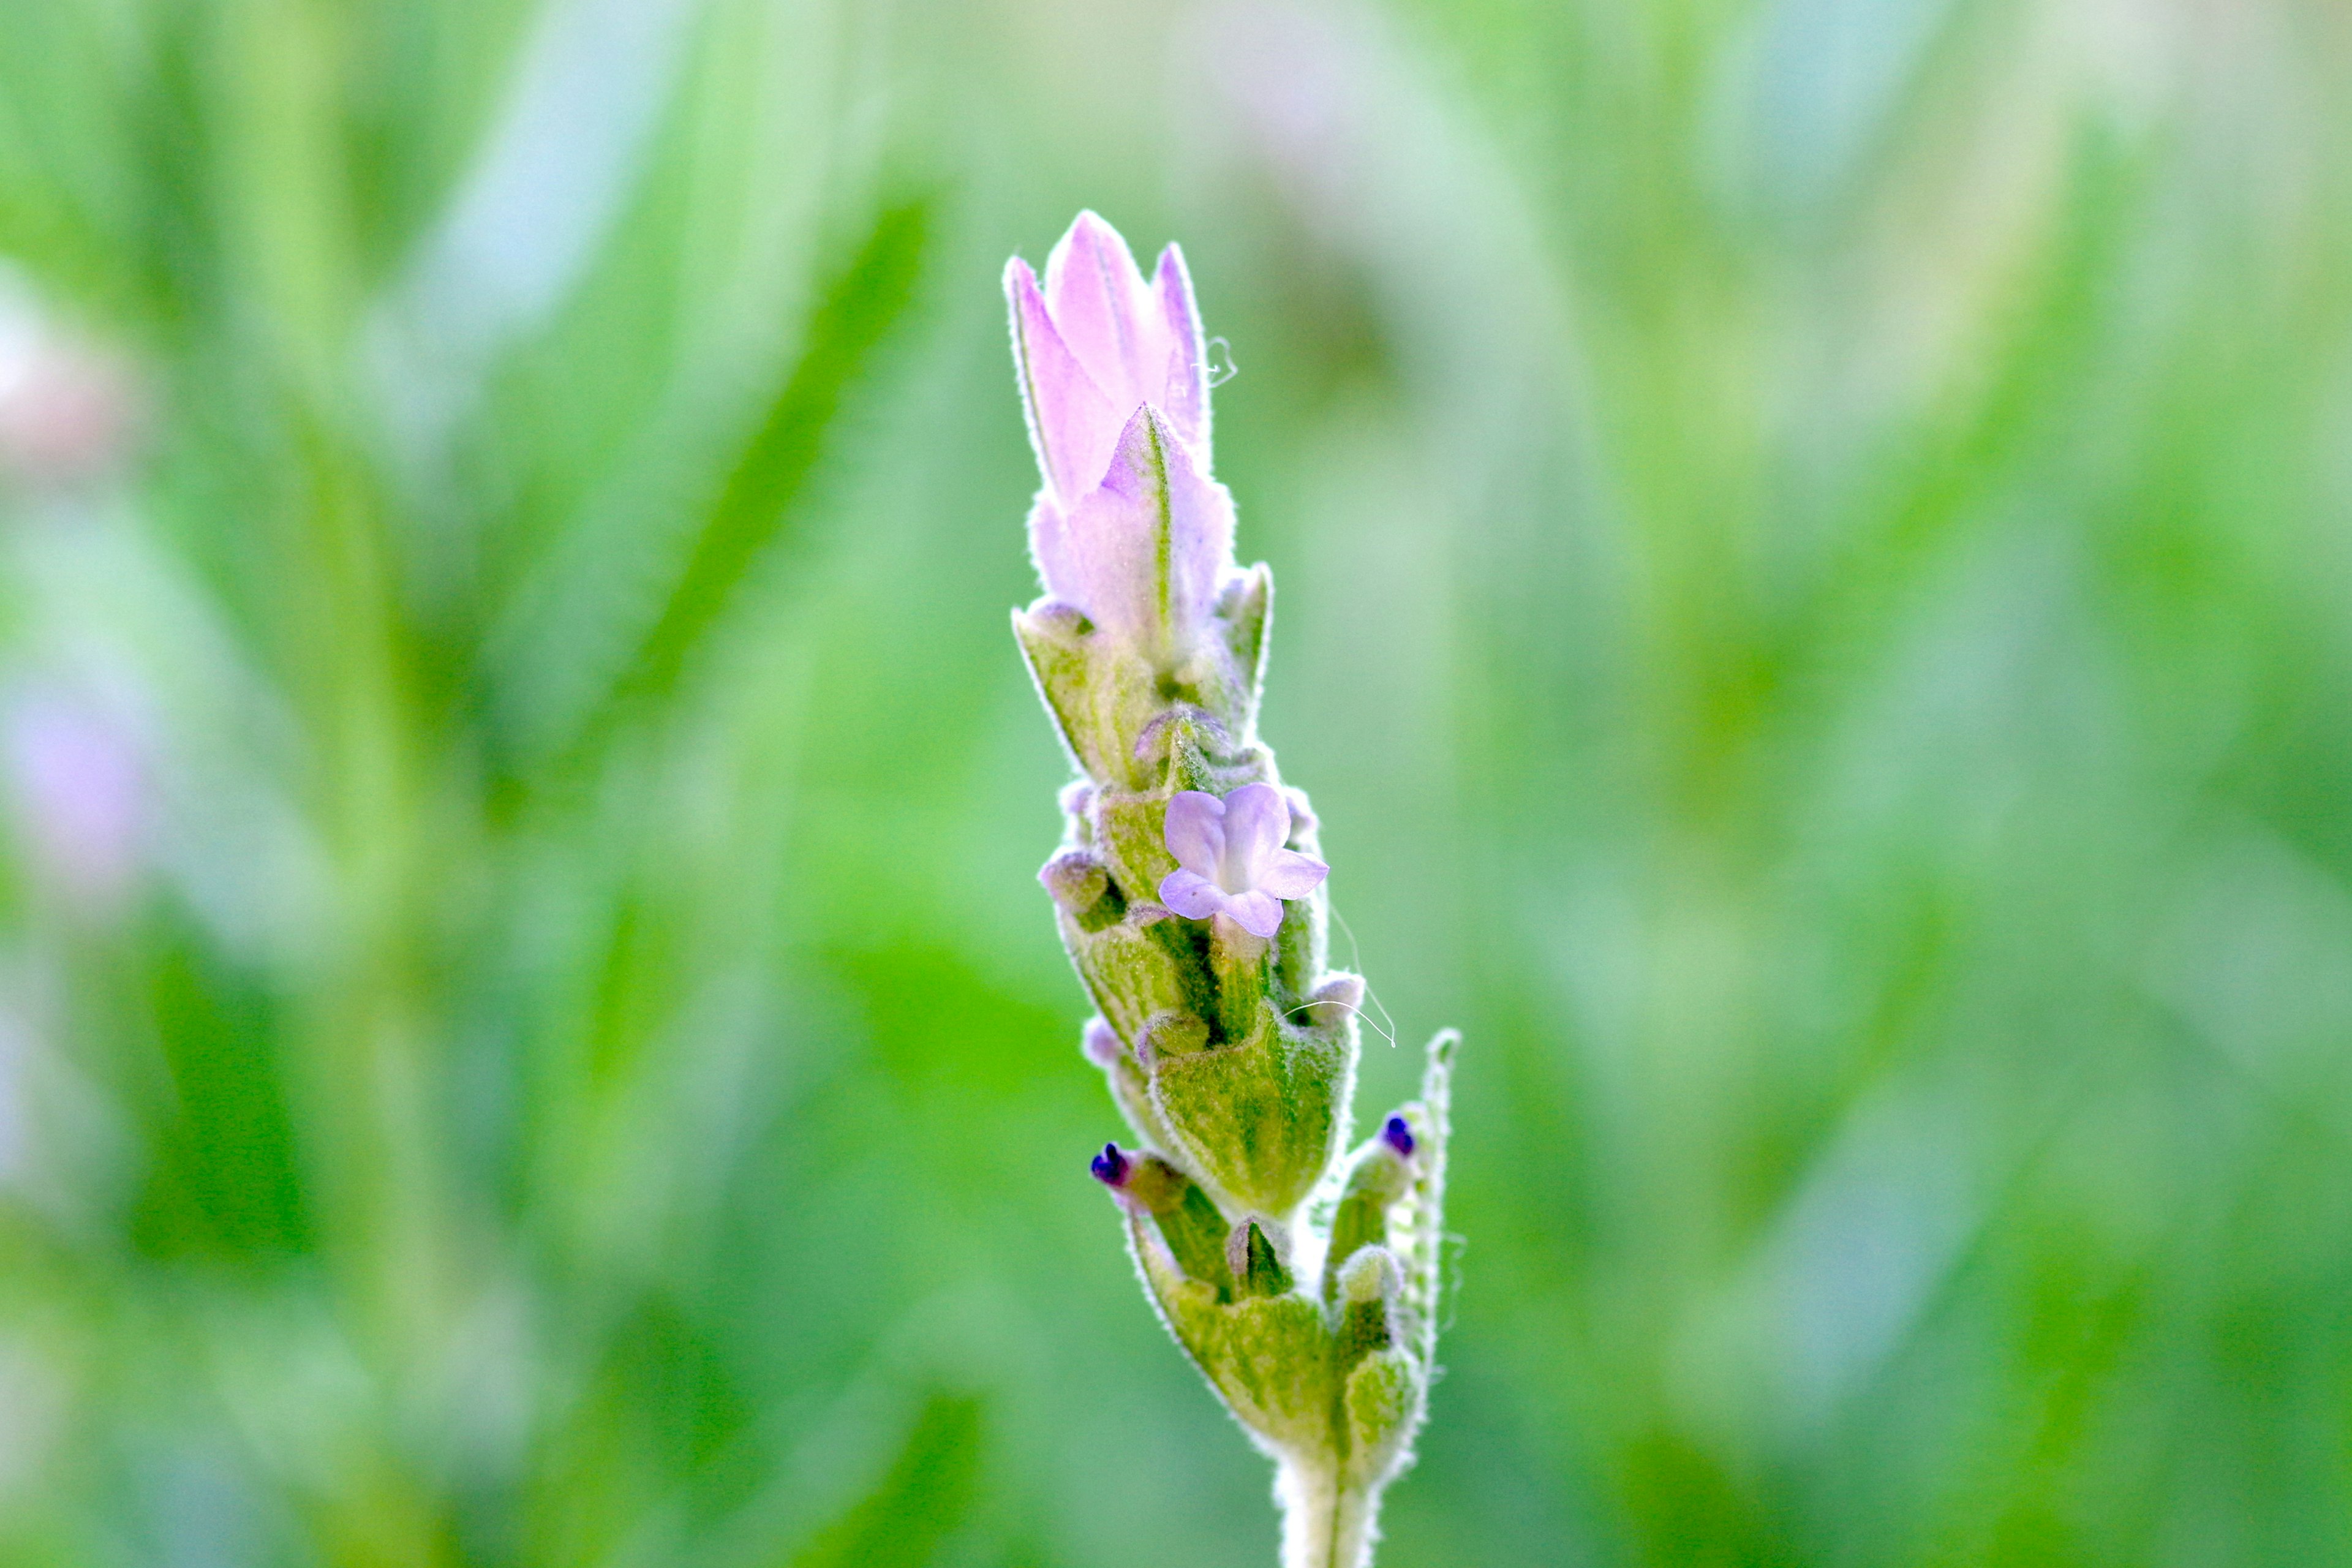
1812,547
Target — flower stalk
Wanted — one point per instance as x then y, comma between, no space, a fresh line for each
1300,1275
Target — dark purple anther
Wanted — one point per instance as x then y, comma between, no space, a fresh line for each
1398,1135
1110,1167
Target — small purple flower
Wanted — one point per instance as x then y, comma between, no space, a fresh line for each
1398,1135
1111,1167
1231,860
81,794
1128,527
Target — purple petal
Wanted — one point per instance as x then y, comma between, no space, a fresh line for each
1184,385
1147,548
1195,831
1193,896
1290,875
1101,1045
1072,424
1051,548
1105,313
1259,913
1397,1133
1257,819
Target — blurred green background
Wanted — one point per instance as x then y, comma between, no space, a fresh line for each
1813,564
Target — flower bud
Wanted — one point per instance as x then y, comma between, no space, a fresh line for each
1148,1186
1338,999
1075,880
1100,1044
1370,1283
1178,728
1303,820
1111,1167
1171,1034
1375,1181
1369,1277
1397,1133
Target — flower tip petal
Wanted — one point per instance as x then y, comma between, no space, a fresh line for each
1192,895
1195,830
1051,550
1172,289
1256,912
1257,821
1290,875
1104,311
1185,377
1090,268
1070,420
1090,231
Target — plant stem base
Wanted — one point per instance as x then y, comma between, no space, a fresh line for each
1324,1524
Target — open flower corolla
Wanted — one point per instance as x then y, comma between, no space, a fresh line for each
1231,860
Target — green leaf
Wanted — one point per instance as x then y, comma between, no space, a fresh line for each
756,503
921,1501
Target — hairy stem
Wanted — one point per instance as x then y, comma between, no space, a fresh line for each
1325,1524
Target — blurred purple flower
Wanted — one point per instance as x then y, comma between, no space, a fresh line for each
1128,527
79,794
1231,860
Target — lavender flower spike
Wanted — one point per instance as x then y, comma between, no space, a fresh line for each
1301,1276
1231,860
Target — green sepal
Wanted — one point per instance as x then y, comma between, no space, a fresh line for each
1244,970
1080,887
1300,945
1376,1179
1381,1408
1130,830
1364,1294
1268,1357
1132,1091
1133,970
1255,1261
1417,1221
1104,693
1187,1221
1256,1119
1246,615
1171,1034
1099,694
